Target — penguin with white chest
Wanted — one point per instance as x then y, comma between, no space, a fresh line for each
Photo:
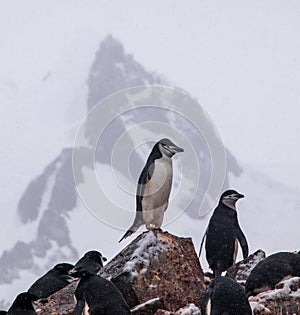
224,233
154,187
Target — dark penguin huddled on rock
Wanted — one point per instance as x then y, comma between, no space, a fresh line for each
224,296
154,187
54,280
92,262
23,305
224,233
98,296
268,272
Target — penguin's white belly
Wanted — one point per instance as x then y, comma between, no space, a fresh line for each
236,248
208,307
85,311
156,193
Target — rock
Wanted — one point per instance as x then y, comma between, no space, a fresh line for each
283,300
159,265
59,303
241,270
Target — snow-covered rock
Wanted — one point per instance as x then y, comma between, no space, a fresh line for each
284,299
241,270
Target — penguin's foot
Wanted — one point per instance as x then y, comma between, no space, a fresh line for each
153,227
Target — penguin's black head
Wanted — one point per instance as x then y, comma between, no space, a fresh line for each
63,267
168,148
230,197
25,300
95,256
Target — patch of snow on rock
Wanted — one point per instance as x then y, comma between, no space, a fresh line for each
190,309
245,269
146,247
141,306
285,289
257,308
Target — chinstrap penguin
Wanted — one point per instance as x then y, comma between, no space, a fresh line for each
223,234
154,187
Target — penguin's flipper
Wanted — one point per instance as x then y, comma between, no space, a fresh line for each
79,307
202,242
138,221
243,241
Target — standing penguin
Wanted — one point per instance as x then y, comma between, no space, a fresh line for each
23,305
98,296
224,233
268,272
154,187
224,296
54,280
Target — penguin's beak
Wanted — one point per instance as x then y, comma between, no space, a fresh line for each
239,196
104,258
174,149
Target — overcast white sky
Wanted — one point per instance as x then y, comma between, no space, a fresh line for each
239,58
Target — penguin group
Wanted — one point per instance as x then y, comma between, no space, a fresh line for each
96,295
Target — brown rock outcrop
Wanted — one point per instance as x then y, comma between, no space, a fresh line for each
159,265
59,303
